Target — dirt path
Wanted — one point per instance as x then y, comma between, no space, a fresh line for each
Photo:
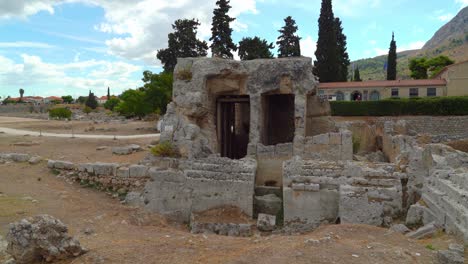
19,132
28,190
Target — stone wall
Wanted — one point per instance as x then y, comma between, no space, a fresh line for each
23,108
329,146
323,191
113,175
199,185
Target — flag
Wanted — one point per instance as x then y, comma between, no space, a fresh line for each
385,66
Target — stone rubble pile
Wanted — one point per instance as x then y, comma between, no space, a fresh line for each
42,237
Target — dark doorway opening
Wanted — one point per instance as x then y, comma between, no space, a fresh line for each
233,125
279,119
356,96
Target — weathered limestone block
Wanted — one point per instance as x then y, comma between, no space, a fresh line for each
423,232
266,222
86,167
138,171
268,204
41,238
18,157
356,208
105,169
35,160
61,165
302,210
414,216
123,172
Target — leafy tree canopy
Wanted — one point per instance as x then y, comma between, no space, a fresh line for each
68,99
420,67
255,48
182,43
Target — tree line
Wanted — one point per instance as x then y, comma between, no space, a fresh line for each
332,59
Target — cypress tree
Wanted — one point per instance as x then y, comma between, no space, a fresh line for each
288,42
357,75
392,60
182,43
327,63
222,44
108,93
343,57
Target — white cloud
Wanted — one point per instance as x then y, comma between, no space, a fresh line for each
308,47
463,3
24,8
33,72
446,17
25,44
411,46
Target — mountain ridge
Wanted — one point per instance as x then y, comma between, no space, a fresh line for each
450,40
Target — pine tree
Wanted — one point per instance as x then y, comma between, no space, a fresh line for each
327,62
392,60
357,75
255,48
222,44
108,93
288,42
182,43
343,57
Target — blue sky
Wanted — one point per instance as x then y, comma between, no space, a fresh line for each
58,47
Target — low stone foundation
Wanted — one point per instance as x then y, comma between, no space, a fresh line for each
324,191
199,185
112,175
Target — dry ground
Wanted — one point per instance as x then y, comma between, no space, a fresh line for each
79,127
118,240
73,149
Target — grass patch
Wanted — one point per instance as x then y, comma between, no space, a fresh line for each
430,247
165,149
184,74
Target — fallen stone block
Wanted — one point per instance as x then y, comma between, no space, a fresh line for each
457,248
135,147
423,232
266,222
400,228
122,150
134,199
450,257
41,238
35,160
415,214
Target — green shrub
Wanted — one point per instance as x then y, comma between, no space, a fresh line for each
87,110
60,113
165,149
111,103
435,106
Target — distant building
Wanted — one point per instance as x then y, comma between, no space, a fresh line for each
51,99
102,99
452,81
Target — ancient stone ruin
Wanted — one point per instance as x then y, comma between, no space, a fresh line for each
255,135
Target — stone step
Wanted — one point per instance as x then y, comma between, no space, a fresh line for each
269,204
264,190
460,179
453,192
